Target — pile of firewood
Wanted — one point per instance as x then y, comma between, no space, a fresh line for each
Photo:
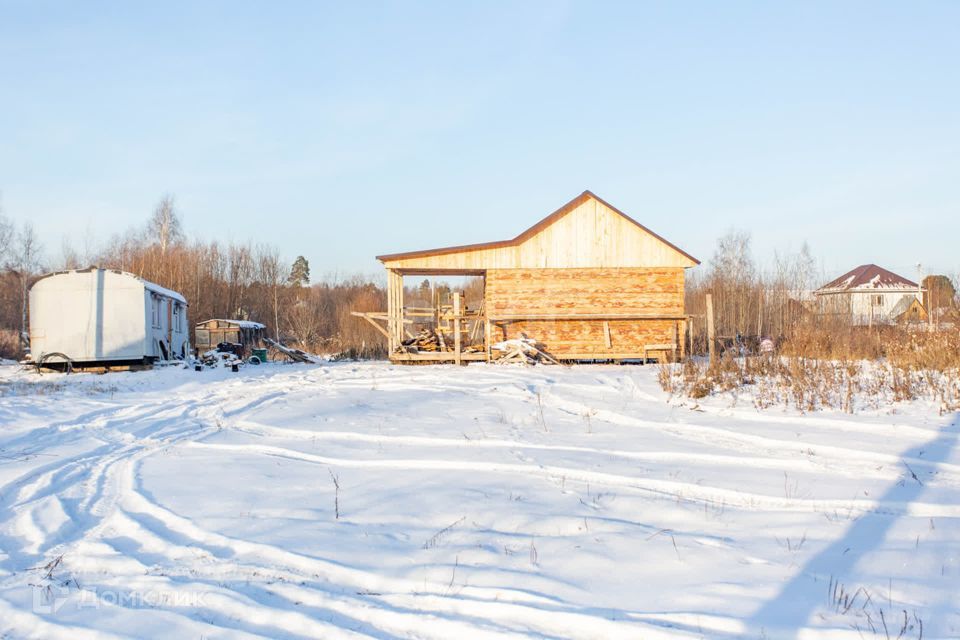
425,340
431,341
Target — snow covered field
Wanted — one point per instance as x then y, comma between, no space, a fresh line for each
473,502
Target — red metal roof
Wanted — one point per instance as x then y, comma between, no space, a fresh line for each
869,276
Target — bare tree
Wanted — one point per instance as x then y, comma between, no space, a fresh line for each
164,226
306,318
25,263
731,278
69,257
6,237
240,277
270,271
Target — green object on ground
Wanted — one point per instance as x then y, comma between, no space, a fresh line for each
259,353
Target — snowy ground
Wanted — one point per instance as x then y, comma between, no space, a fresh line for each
473,502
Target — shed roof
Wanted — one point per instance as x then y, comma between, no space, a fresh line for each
546,222
243,324
868,276
905,304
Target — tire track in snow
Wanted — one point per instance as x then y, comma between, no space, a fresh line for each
115,510
92,479
359,595
857,461
109,503
390,605
670,488
798,464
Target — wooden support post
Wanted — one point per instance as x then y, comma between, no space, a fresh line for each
606,334
487,338
390,305
399,309
394,310
457,339
711,336
476,323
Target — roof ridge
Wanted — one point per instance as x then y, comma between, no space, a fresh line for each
532,231
869,276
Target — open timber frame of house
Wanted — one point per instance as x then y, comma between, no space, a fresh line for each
586,283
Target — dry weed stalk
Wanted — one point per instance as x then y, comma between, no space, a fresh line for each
820,368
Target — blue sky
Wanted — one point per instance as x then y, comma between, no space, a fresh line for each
344,130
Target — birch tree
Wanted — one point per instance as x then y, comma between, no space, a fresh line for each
26,261
164,226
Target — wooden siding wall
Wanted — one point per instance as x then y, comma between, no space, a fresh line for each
624,291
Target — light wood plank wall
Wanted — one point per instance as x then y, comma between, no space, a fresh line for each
640,291
582,339
591,235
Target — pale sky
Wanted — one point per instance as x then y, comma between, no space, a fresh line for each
344,130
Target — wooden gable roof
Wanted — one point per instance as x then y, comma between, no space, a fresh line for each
585,232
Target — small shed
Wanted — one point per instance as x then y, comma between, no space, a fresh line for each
587,282
869,295
105,316
246,333
909,311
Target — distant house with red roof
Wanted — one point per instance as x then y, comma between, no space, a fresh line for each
871,295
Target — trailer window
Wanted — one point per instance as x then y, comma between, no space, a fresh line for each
178,318
156,312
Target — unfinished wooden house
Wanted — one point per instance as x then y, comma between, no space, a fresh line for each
586,283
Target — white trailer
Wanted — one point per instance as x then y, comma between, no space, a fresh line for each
106,316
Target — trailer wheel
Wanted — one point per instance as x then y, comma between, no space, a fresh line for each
67,362
254,360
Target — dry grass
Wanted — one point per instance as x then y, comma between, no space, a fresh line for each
10,344
820,369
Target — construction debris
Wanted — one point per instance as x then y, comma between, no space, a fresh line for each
294,354
525,350
430,341
223,355
425,340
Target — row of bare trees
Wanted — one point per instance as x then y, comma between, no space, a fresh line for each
748,300
253,281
